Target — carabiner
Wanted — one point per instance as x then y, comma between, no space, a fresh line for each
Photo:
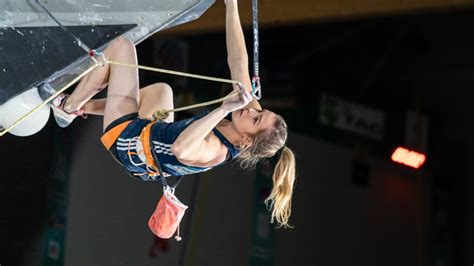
256,88
93,53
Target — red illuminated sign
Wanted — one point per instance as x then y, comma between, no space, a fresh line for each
409,158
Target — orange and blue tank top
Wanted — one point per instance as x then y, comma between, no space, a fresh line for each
163,136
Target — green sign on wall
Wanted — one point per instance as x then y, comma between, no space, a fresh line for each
262,246
54,233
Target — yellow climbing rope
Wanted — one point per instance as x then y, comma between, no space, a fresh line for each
184,74
163,114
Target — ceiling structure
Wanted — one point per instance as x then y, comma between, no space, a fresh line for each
283,12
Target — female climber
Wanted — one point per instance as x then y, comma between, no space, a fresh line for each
238,129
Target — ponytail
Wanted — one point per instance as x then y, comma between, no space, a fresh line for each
281,194
271,144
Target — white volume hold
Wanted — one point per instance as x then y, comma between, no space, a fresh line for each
20,105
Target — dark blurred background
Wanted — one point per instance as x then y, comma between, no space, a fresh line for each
414,64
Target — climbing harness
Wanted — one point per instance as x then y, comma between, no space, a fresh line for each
166,218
